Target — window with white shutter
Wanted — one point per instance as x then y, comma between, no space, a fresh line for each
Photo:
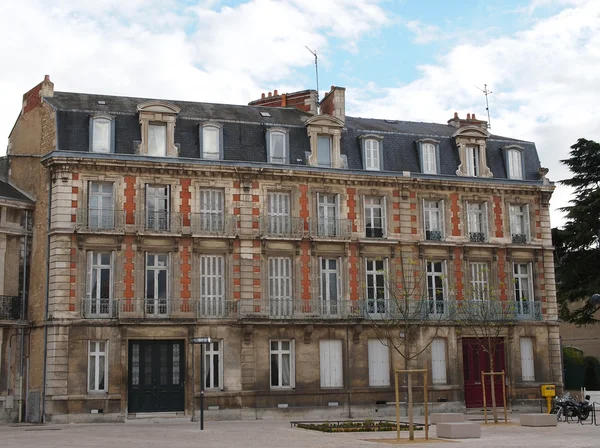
211,210
372,155
480,281
331,363
527,366
515,164
379,363
212,285
280,286
278,213
429,158
438,361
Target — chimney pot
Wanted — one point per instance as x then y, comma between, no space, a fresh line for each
473,116
275,92
46,77
283,100
468,116
456,115
262,96
270,95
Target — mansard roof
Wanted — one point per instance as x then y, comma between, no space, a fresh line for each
244,134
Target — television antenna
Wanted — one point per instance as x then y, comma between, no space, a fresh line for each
314,53
487,92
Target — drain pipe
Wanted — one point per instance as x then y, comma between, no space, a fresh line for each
23,315
46,306
349,388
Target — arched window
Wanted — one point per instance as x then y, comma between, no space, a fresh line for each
515,164
372,155
429,158
101,134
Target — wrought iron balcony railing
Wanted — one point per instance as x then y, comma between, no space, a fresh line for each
213,308
93,308
497,310
281,226
99,219
519,238
330,228
477,237
10,308
216,224
433,235
408,310
299,309
158,221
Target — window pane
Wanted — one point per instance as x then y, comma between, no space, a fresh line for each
274,370
324,151
101,369
157,140
277,147
210,143
101,135
92,367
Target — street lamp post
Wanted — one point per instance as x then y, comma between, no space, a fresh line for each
202,341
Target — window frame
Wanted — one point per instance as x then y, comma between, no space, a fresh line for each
439,357
286,151
484,223
212,219
431,273
508,151
163,125
101,211
279,351
331,364
365,140
282,303
527,363
157,301
375,273
97,354
480,280
212,304
209,355
219,128
368,217
151,195
111,138
473,160
330,307
330,139
384,381
436,149
513,216
428,210
92,264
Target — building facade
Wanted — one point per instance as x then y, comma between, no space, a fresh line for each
273,229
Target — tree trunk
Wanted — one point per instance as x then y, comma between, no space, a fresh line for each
411,430
493,381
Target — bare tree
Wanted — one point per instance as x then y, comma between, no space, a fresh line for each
400,302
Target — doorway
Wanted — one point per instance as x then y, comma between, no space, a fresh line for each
476,360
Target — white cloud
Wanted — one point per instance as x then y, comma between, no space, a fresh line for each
544,82
424,33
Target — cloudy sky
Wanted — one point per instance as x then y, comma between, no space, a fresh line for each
410,60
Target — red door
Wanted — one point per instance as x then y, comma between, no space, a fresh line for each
476,360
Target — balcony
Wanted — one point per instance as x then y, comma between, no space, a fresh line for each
477,237
92,308
329,228
519,238
159,221
433,235
213,224
10,308
299,309
100,220
374,232
509,311
408,310
193,309
281,227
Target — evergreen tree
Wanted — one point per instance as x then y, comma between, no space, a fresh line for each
577,245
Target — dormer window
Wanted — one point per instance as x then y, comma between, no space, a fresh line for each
101,134
157,140
514,162
372,155
473,161
324,151
211,137
429,156
471,141
277,146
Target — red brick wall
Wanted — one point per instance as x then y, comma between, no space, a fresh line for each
353,269
129,200
186,196
186,267
351,202
305,268
498,217
455,214
129,267
502,275
458,273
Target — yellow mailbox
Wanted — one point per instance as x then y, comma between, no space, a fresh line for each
549,391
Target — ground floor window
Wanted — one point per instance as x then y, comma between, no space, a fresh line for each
331,363
282,363
213,365
527,367
379,363
97,366
438,361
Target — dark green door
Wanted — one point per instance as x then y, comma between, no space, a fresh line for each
156,376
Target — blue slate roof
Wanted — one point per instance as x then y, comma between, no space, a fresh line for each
244,136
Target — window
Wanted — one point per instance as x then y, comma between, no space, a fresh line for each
429,158
328,222
438,361
434,220
158,207
479,281
375,217
437,287
324,151
280,286
278,214
157,284
99,284
277,147
379,363
330,286
282,363
473,161
211,144
522,280
157,140
97,366
527,366
211,210
213,365
515,164
101,211
101,137
212,285
331,363
372,155
519,223
376,271
477,221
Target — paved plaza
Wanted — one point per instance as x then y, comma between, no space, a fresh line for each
270,433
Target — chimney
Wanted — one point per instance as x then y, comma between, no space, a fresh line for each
305,100
33,98
471,120
334,103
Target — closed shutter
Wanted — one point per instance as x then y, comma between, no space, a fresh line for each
379,363
212,285
527,229
438,361
527,367
89,279
331,363
442,216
